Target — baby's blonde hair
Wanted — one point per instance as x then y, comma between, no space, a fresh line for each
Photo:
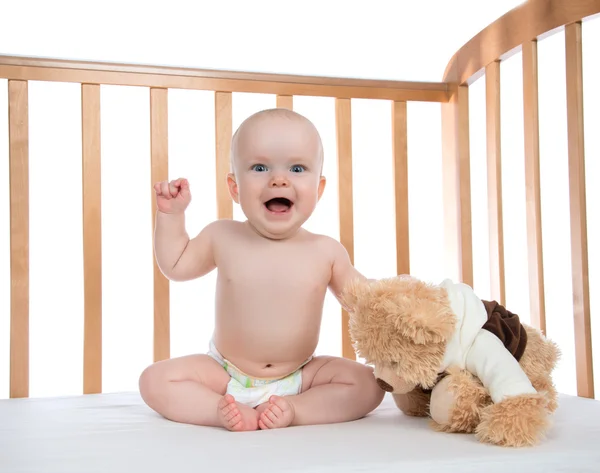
272,112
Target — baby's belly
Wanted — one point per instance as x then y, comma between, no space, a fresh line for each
267,343
263,353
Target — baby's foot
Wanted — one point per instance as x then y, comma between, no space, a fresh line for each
236,417
277,413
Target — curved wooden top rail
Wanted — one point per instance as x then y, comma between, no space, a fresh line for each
504,37
43,69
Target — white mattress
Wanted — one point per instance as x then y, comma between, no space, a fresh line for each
118,433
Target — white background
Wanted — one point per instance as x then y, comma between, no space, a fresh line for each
388,40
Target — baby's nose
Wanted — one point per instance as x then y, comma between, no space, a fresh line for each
279,181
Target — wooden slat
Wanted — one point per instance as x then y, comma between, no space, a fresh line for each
343,116
18,126
532,185
400,166
92,239
464,188
223,126
160,172
223,81
457,185
579,245
285,101
494,181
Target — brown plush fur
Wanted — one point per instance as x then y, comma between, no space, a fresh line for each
515,422
412,341
403,324
538,361
469,398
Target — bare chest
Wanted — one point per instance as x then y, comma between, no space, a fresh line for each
276,268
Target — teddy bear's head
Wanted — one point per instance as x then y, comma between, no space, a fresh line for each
400,326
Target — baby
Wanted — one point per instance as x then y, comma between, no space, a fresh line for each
260,371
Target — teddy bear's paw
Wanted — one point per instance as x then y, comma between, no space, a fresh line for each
552,399
546,387
457,401
514,422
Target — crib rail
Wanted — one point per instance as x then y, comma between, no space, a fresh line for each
520,30
19,71
23,68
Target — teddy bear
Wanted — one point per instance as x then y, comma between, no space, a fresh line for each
468,364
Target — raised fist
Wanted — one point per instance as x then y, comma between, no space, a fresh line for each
172,197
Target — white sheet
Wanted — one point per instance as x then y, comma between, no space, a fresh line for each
118,433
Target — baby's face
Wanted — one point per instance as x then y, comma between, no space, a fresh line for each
277,180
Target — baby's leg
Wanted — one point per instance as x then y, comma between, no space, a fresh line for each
191,389
333,390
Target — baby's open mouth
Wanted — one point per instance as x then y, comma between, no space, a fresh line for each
278,204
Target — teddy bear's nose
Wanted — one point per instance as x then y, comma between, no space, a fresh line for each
385,386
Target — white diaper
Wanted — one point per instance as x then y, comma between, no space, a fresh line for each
254,391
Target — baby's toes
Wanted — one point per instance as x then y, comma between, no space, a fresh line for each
275,412
233,418
226,401
262,425
268,419
278,404
235,422
232,413
228,409
272,416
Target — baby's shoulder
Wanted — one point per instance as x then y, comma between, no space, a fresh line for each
223,228
328,244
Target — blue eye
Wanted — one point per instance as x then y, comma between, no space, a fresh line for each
297,168
259,168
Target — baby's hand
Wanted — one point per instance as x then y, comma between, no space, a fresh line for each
172,197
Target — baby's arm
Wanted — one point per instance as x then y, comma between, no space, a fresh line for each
178,257
342,271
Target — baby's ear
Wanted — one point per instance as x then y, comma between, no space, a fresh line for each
233,188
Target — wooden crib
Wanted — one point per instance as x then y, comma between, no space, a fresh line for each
480,59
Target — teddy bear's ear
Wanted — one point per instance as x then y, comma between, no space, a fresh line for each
419,311
426,322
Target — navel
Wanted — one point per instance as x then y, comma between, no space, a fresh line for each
269,365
